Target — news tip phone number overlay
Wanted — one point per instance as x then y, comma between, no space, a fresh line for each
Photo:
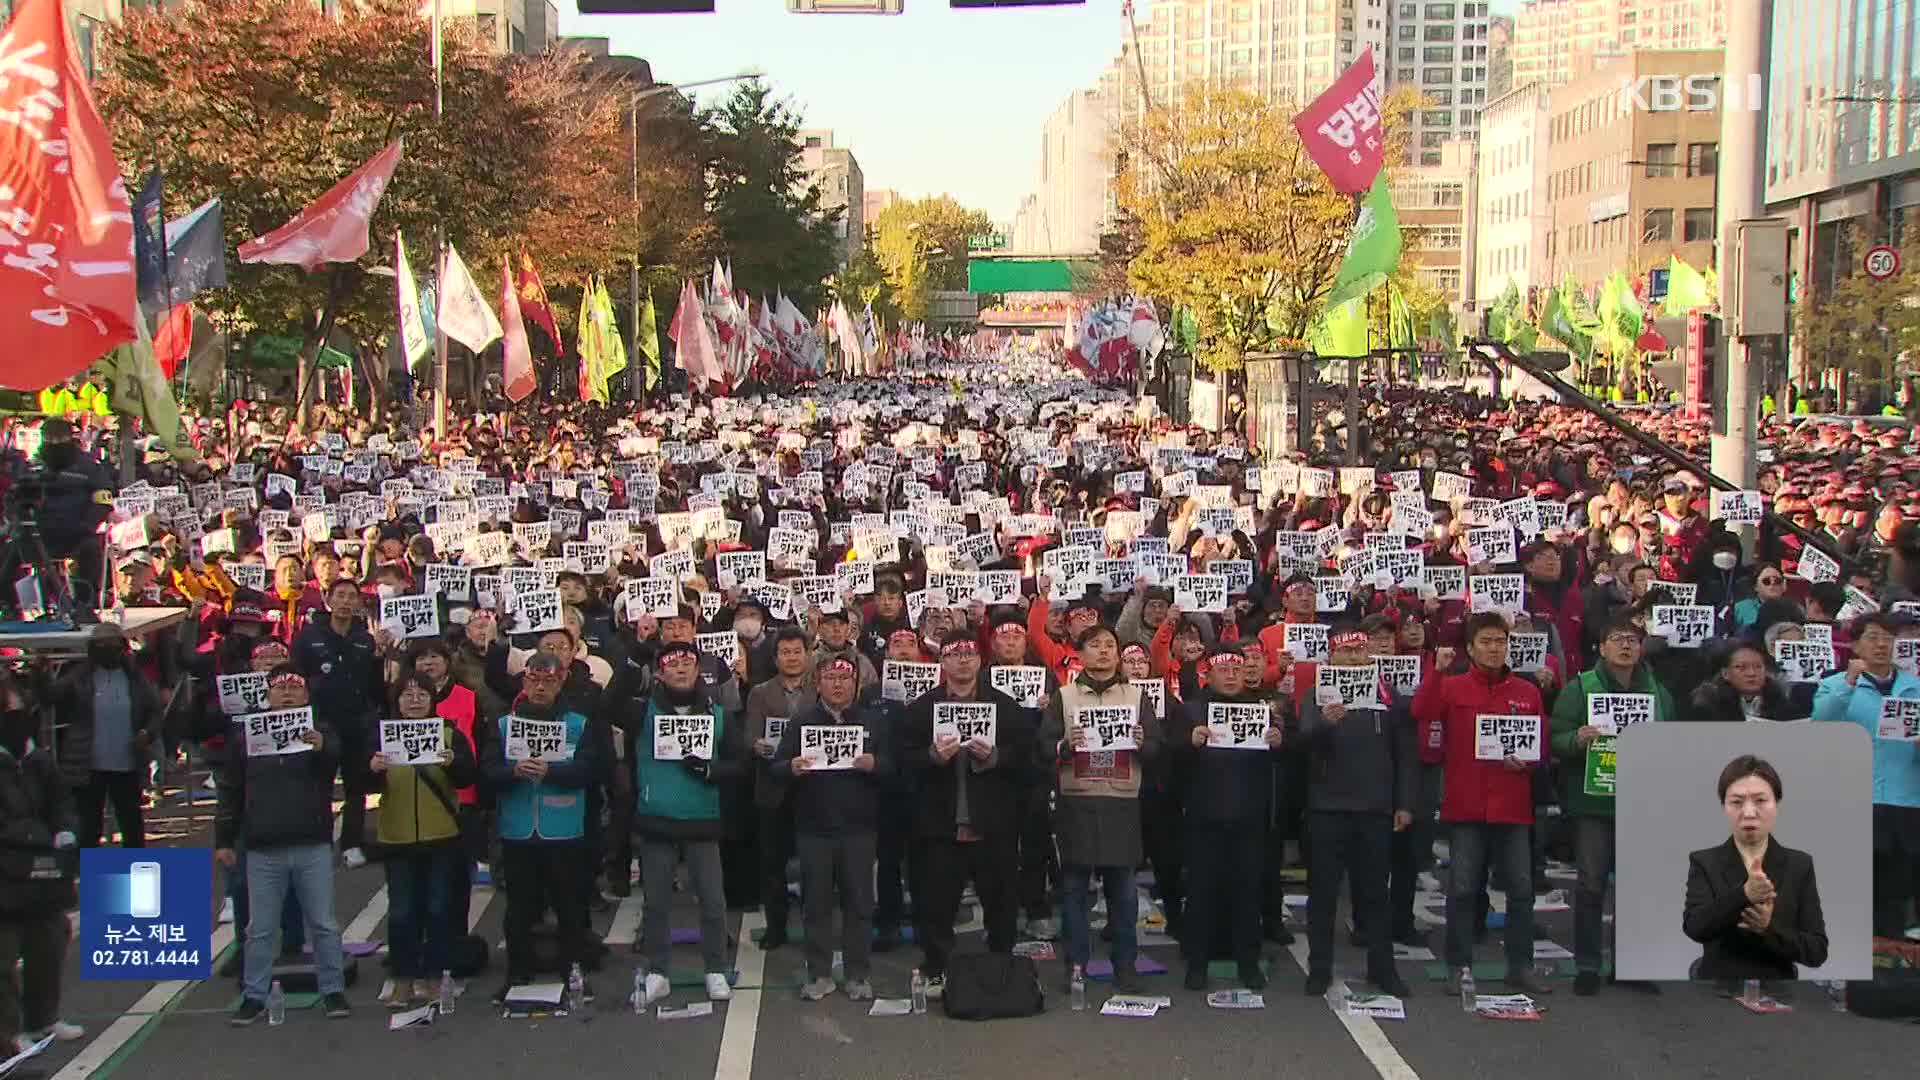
146,914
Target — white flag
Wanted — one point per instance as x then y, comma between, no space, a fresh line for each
464,315
413,329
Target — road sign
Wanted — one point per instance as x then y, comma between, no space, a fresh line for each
1881,262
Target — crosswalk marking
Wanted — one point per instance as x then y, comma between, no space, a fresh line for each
1365,1031
743,1012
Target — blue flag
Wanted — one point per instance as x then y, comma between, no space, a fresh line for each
150,248
196,253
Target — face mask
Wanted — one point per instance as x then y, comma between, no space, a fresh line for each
1725,560
1623,545
388,592
748,629
107,656
1603,579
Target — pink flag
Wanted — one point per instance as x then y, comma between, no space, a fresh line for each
693,342
334,227
516,357
1342,128
67,286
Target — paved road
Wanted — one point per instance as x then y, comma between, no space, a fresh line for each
768,1031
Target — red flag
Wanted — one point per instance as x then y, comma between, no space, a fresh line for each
534,304
174,339
67,286
516,358
1342,128
334,227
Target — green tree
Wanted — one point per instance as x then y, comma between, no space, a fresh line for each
1237,223
768,218
864,281
1862,326
922,244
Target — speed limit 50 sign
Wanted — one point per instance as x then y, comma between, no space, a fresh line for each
1881,262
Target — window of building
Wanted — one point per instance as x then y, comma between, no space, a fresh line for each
1242,13
1409,33
1408,11
1241,35
1437,54
1317,69
1440,237
1430,158
1703,159
1431,139
1661,158
1448,194
1440,97
1437,117
489,27
517,41
1656,225
1697,226
1346,24
1319,24
1436,75
1439,33
1240,57
1406,54
1315,48
813,143
1440,11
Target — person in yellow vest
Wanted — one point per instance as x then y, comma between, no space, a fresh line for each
1766,405
61,399
1800,407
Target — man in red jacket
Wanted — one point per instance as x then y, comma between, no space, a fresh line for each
1487,806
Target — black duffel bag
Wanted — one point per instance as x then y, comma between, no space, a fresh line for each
993,986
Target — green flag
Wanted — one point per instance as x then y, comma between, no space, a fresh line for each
1400,331
1504,311
1341,330
1373,246
647,344
1556,319
1686,289
593,382
140,390
613,351
1620,315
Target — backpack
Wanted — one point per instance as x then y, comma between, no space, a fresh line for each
993,986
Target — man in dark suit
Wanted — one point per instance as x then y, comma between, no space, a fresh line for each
1753,903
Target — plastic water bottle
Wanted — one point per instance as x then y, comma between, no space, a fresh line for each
918,992
576,992
446,993
1837,993
640,990
1077,989
276,1005
1751,994
1469,997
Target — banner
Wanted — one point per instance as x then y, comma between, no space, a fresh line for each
516,356
68,291
1343,130
463,313
534,304
196,253
414,342
334,227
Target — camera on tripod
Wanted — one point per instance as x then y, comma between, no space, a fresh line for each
26,497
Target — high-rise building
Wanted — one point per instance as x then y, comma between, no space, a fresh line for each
1073,192
1511,197
1288,49
1439,49
1836,166
1555,41
842,187
1431,203
1631,186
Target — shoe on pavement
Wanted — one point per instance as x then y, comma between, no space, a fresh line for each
887,940
1525,983
336,1006
775,937
1453,981
1391,983
249,1011
1252,977
658,989
62,1032
859,990
1278,933
1043,929
937,988
1196,977
717,987
353,858
1586,984
1126,980
818,989
1318,984
398,995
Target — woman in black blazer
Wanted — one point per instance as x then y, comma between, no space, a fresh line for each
1752,902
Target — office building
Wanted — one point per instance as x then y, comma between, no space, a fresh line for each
1073,192
842,186
1555,41
1431,203
1440,49
1513,210
1629,185
1289,49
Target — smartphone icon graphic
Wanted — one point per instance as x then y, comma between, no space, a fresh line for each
144,894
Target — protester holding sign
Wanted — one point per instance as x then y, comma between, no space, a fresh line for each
419,835
1857,696
1487,804
1007,670
1583,737
1229,797
540,781
280,807
1098,821
770,709
968,810
835,823
344,668
677,814
1360,792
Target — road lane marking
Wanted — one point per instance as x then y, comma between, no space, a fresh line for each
626,921
1364,1030
743,1012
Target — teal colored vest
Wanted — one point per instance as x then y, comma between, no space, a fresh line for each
533,811
665,789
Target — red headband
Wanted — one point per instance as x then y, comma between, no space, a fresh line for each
1351,639
286,677
838,665
962,647
1009,628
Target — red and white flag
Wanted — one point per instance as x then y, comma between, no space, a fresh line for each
334,227
1343,130
516,356
67,288
693,342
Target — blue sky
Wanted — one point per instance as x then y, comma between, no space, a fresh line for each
931,100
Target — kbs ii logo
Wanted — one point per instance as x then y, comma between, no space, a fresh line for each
1693,93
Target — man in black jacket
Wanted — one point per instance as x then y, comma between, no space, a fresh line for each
969,798
342,667
1228,801
37,868
281,806
1359,792
835,817
106,719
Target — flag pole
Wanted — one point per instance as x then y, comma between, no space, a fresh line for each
439,250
